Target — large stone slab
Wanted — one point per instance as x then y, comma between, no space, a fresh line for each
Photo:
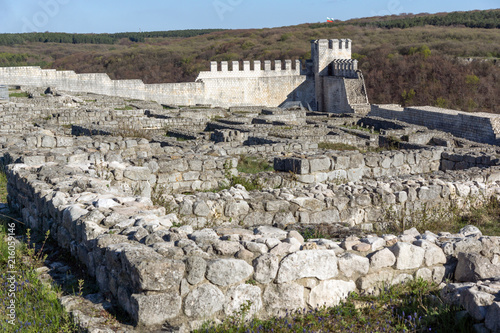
240,296
408,256
150,271
351,264
150,310
203,301
266,267
320,264
224,272
330,293
281,298
473,267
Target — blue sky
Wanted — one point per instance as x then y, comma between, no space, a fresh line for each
99,16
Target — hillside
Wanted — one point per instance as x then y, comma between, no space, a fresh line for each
409,59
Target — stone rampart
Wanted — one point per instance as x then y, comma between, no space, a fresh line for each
477,126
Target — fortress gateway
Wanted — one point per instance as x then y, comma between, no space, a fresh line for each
330,82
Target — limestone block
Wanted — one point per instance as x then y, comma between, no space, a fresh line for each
341,162
476,302
491,246
337,175
363,200
283,219
424,274
266,267
473,267
105,203
224,272
204,301
401,196
308,179
276,205
492,318
191,175
376,243
470,230
150,310
137,173
320,177
296,235
196,268
48,142
401,278
372,160
330,293
241,295
310,204
149,271
371,282
351,264
257,218
438,274
326,216
270,232
294,244
319,164
34,160
200,208
236,208
467,245
256,247
226,248
321,264
206,235
408,256
64,141
281,298
452,292
434,255
355,174
69,217
296,165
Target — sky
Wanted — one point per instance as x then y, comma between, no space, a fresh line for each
108,16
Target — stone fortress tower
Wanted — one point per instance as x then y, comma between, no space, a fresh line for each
339,85
330,81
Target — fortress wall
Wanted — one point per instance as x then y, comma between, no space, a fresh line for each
268,91
223,88
479,127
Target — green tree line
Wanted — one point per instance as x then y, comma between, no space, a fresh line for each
51,37
487,19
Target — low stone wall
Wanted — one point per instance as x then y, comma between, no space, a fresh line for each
135,164
182,277
477,126
352,166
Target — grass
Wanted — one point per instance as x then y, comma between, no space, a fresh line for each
451,217
336,146
411,307
37,307
19,94
3,186
253,165
125,108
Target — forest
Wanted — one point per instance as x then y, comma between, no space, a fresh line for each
438,59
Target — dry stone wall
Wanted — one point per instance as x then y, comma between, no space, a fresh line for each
479,127
181,277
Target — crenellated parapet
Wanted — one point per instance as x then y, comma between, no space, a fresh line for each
225,69
344,67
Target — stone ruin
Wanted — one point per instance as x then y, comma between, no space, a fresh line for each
144,196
